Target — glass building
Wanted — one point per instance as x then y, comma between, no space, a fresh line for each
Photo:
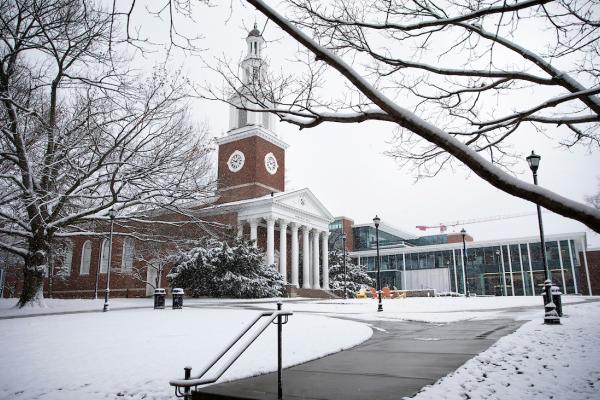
508,267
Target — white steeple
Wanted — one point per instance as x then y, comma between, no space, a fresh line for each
254,69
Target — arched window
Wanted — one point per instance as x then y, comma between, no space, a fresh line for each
86,258
104,256
128,253
68,258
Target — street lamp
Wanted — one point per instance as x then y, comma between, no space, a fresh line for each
111,213
376,221
464,261
344,261
550,316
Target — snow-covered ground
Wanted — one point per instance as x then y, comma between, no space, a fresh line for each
51,306
433,309
536,362
132,354
133,351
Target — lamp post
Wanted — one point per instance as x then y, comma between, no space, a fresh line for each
376,221
344,261
464,261
550,316
111,213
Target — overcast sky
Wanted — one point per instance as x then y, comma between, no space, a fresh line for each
344,165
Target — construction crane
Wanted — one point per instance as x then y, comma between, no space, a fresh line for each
443,226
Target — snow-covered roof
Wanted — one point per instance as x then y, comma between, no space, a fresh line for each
300,206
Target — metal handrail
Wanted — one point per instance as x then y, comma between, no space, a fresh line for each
200,379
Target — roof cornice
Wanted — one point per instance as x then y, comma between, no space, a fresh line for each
249,131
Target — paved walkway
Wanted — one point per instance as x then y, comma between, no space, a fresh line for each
398,360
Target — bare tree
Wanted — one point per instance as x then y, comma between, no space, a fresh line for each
594,199
468,70
81,134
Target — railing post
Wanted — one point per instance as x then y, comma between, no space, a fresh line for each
279,326
186,391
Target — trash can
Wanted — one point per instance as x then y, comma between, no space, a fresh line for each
556,299
177,298
159,298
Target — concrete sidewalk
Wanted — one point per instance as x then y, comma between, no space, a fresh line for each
396,361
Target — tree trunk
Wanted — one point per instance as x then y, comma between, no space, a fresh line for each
34,272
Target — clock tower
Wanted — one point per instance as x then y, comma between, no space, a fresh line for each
251,156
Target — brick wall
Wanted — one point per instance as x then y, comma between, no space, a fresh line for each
253,177
593,259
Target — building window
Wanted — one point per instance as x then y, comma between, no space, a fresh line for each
86,258
67,259
128,253
104,256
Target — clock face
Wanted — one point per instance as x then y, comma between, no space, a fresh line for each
236,161
271,164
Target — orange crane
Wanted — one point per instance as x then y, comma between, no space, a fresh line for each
443,226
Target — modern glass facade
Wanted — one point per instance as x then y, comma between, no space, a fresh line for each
365,238
510,268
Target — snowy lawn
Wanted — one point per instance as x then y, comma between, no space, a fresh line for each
134,353
535,362
7,306
433,309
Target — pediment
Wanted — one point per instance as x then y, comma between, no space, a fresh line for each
304,200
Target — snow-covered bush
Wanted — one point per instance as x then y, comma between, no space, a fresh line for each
218,269
356,275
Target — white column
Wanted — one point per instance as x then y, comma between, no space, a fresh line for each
531,271
522,271
562,269
505,291
240,229
283,249
585,263
316,270
305,259
254,231
325,256
512,282
270,240
404,270
571,255
294,232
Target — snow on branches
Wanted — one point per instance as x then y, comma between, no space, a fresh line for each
217,269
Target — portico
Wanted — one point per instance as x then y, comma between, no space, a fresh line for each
302,223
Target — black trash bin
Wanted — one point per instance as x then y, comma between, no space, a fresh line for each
556,299
177,298
159,298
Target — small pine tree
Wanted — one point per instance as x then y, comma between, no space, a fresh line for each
356,275
217,269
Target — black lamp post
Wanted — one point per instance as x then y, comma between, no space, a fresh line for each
111,213
376,221
344,261
551,316
464,261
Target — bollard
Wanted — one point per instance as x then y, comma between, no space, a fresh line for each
279,366
187,376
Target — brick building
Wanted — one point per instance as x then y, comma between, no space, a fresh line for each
292,227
